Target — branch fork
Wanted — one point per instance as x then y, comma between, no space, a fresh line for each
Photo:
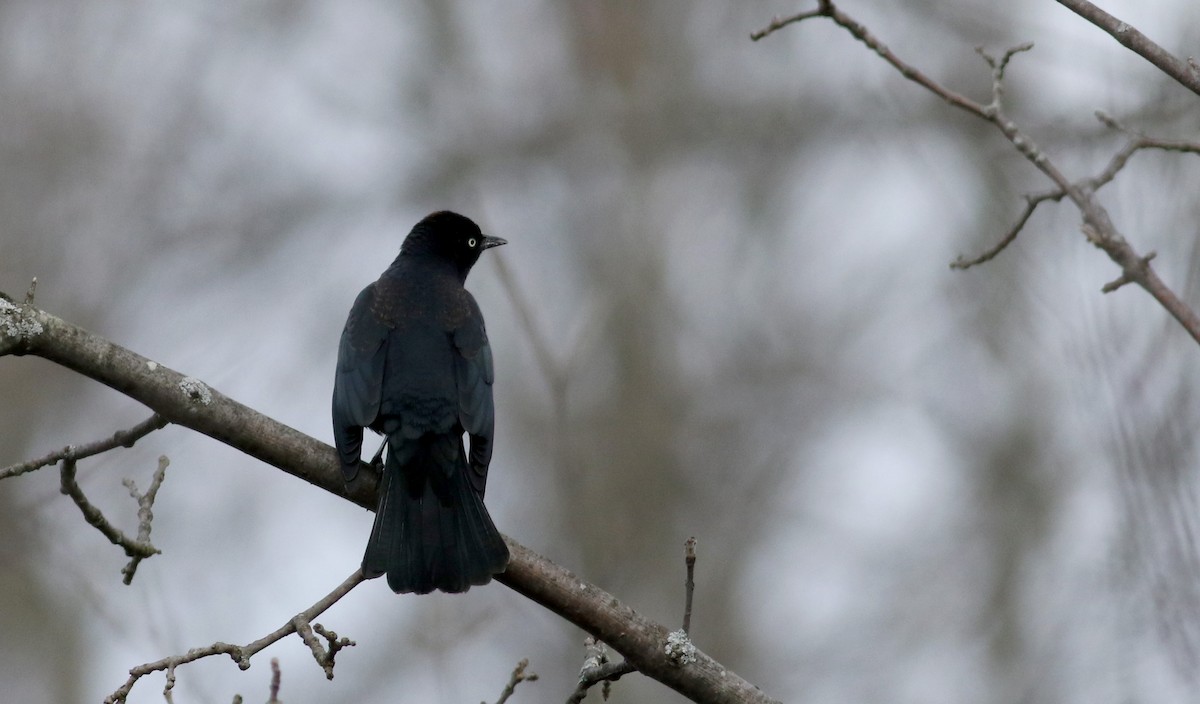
1100,230
678,647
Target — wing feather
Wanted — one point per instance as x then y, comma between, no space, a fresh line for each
358,382
474,375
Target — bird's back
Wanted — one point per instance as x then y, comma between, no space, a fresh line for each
422,307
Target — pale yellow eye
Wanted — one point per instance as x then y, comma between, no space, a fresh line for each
471,242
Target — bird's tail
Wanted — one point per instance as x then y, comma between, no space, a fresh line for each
432,530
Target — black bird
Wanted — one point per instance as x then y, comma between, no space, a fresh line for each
414,364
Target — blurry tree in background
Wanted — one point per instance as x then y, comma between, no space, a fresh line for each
726,312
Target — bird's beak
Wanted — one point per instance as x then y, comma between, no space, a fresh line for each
489,241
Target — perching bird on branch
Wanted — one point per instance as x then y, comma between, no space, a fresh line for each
414,364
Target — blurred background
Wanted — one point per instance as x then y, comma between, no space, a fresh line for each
725,311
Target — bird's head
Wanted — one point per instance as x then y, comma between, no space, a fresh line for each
449,236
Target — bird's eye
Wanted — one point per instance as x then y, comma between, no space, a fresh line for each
471,242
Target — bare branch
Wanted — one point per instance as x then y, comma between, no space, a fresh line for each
1103,233
518,676
240,654
1124,278
689,559
145,512
1183,71
597,669
323,655
276,681
596,666
121,438
639,639
998,67
860,32
1137,142
138,549
1031,204
777,23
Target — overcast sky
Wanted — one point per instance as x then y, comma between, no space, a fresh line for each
729,314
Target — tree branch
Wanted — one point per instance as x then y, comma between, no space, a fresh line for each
241,654
145,512
1137,142
276,681
1031,204
25,329
121,438
598,669
778,23
517,677
689,584
1097,224
137,549
1139,43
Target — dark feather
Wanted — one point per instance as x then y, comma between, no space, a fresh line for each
414,364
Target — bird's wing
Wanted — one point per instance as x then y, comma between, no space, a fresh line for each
474,376
358,383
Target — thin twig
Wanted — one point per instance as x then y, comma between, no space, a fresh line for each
240,654
998,67
121,438
596,669
276,680
323,655
596,666
145,512
1102,232
1137,142
136,549
778,23
518,676
1032,201
689,558
826,8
